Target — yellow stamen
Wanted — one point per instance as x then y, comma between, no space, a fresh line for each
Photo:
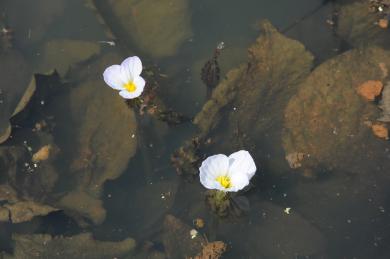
224,181
130,86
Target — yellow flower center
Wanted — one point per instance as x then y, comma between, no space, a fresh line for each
224,181
130,86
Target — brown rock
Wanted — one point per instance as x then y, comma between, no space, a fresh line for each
370,89
380,131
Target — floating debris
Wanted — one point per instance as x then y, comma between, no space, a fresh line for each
199,223
212,250
380,131
294,159
383,23
385,104
211,72
287,210
370,89
42,154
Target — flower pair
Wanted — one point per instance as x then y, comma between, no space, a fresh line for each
220,172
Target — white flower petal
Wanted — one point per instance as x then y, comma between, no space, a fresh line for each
238,181
139,84
242,162
113,77
129,95
211,168
132,66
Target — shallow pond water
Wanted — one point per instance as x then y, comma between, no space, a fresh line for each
84,174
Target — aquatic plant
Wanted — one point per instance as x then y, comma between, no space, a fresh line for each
126,78
227,173
224,174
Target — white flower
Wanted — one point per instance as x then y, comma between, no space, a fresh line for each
126,77
229,174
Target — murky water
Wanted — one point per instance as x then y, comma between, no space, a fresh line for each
294,91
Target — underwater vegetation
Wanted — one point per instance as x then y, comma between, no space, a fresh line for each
210,73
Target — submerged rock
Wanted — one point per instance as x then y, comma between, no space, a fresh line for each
158,28
326,120
78,246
